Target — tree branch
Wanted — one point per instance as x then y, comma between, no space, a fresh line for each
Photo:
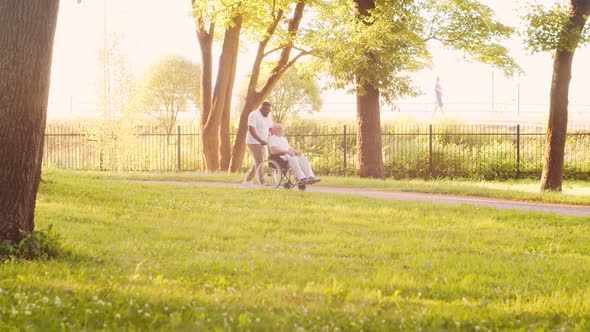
280,71
282,47
283,64
260,53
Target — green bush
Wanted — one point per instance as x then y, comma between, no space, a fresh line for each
42,244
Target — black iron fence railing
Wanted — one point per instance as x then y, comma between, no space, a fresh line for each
413,151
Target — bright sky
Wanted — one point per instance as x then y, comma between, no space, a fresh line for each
151,29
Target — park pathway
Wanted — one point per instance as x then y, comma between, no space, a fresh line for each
502,204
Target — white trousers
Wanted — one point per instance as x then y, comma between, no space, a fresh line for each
300,167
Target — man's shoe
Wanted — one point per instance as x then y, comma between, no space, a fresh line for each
312,180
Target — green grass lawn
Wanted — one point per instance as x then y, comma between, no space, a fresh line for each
162,257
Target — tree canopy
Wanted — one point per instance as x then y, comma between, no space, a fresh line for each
169,87
297,91
397,34
550,29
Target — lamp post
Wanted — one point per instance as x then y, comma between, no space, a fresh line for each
518,99
493,92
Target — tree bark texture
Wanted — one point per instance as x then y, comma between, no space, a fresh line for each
27,30
255,98
553,159
370,155
225,77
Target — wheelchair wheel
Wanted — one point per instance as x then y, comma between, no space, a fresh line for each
270,173
288,180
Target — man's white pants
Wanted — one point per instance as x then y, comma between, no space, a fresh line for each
300,167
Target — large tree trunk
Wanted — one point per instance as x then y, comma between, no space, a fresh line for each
553,160
206,80
551,178
255,98
237,157
27,30
205,38
225,138
370,156
225,128
225,78
206,92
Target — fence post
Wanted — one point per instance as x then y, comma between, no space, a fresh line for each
178,152
101,155
430,152
345,151
518,151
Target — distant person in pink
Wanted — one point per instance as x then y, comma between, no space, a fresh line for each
438,90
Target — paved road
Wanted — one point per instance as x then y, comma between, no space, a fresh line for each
505,204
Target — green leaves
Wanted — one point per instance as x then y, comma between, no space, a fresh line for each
469,27
382,48
385,47
257,15
544,27
357,50
40,244
552,30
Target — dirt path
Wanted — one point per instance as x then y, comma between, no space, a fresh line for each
503,204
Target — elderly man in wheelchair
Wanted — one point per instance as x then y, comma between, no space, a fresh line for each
284,158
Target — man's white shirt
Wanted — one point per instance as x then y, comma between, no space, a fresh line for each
261,124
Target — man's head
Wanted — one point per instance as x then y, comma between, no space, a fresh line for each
265,108
278,130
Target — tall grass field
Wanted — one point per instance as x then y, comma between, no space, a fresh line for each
146,257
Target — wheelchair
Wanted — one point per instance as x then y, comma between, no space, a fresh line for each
276,173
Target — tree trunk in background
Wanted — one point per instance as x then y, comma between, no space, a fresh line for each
205,39
255,98
553,159
237,157
370,155
27,29
210,131
225,128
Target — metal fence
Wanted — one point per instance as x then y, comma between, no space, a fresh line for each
413,151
